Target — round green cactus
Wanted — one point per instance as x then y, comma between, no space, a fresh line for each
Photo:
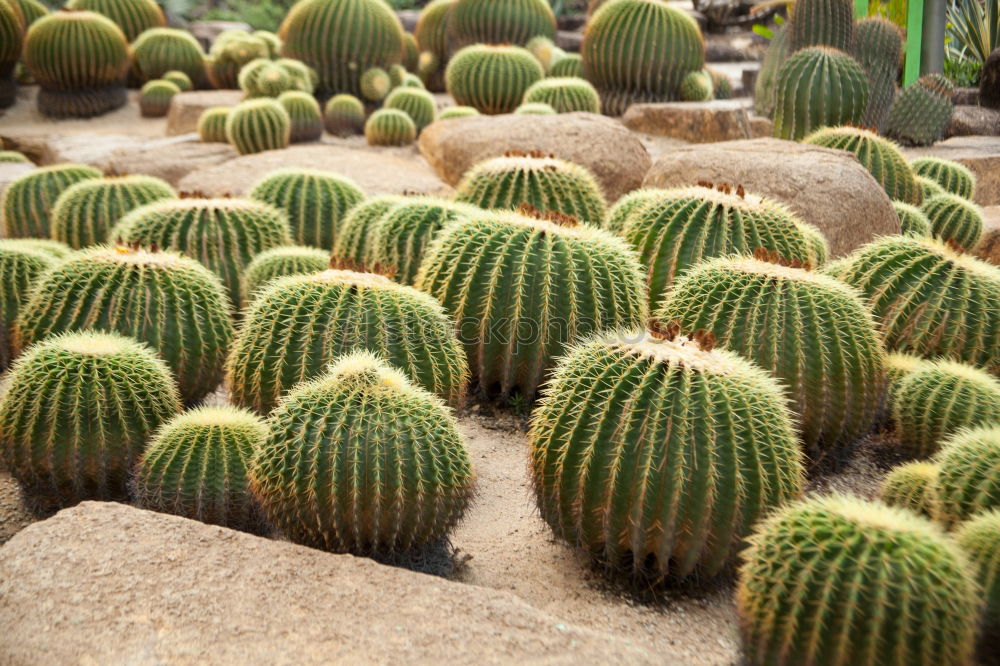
878,48
629,205
172,303
565,95
883,159
940,398
212,124
390,127
297,325
418,104
569,65
817,587
828,353
399,477
930,300
493,79
85,213
629,466
280,262
271,40
912,221
534,109
179,79
196,467
342,39
500,21
231,51
618,60
396,75
78,411
722,87
344,115
223,234
133,16
155,97
375,84
411,52
522,289
954,220
304,114
47,246
547,183
11,46
967,481
953,177
32,10
431,33
687,225
304,78
53,50
818,87
264,77
696,86
257,125
928,188
979,538
20,268
315,202
921,112
27,202
13,157
911,486
822,23
160,50
458,112
545,51
353,242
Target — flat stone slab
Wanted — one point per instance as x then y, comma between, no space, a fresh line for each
969,120
989,246
187,107
170,159
106,583
981,154
695,122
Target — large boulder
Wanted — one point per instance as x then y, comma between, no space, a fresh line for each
614,155
48,147
828,188
989,81
969,120
105,583
981,154
696,122
187,107
989,246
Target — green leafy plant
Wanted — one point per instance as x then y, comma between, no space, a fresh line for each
972,31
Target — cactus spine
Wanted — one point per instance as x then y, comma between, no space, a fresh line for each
878,48
304,115
954,220
954,177
968,482
431,33
20,268
280,262
911,486
212,124
344,115
912,221
390,127
565,95
133,16
155,96
353,240
979,538
160,50
818,87
28,201
823,23
921,112
258,125
418,104
500,21
493,79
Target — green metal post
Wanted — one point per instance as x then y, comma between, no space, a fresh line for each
932,31
914,37
861,8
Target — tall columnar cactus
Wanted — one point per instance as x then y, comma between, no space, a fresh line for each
911,486
353,242
342,39
882,158
954,177
304,114
196,467
78,411
133,16
297,325
493,79
172,303
28,201
822,23
431,32
618,60
818,587
12,28
418,104
20,268
657,455
912,221
522,289
954,220
264,77
775,56
968,482
314,201
179,79
85,213
818,87
223,234
212,124
696,86
280,262
569,65
403,234
878,48
155,98
979,539
375,84
344,115
930,300
565,95
54,49
399,477
160,50
688,225
500,21
257,125
547,183
811,331
390,127
940,398
921,112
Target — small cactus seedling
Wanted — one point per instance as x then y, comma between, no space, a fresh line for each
375,84
565,95
954,220
696,86
155,98
968,482
212,124
954,177
179,79
493,79
390,127
28,201
304,115
418,104
911,486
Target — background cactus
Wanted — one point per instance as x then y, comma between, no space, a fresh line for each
46,246
955,220
418,104
133,16
911,486
777,53
629,205
928,188
912,221
967,481
878,48
457,112
403,461
11,45
28,201
314,201
344,115
155,96
375,84
954,177
258,125
569,65
196,467
979,539
721,461
565,95
264,77
79,410
821,74
493,79
212,124
822,23
280,262
353,239
545,51
85,213
535,109
500,21
921,112
833,364
817,588
527,295
172,303
547,183
618,61
20,267
722,87
304,114
696,86
13,157
179,79
232,50
53,49
297,325
431,33
160,50
883,159
390,127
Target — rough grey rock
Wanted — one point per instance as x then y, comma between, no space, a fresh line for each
695,122
186,108
981,154
969,120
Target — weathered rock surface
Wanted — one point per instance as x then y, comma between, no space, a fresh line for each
761,126
105,583
828,188
989,246
980,153
377,171
969,120
47,148
187,107
696,122
170,159
613,154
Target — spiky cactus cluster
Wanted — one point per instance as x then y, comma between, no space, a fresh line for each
921,112
11,46
928,188
630,204
431,33
133,16
522,298
954,220
883,159
500,21
304,115
493,79
822,23
817,587
257,125
570,65
280,262
390,127
565,95
160,50
20,267
399,477
629,467
375,84
155,97
344,115
818,87
979,539
179,79
911,486
78,412
954,177
232,50
827,353
547,183
264,77
878,48
54,49
458,112
212,124
618,61
353,241
196,467
28,201
418,104
968,482
696,86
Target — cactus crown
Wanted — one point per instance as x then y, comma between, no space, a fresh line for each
953,177
492,78
133,16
